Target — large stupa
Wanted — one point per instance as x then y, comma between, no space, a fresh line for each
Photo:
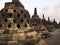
16,25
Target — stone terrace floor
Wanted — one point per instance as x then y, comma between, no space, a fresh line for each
54,39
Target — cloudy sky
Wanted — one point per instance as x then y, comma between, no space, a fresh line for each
50,8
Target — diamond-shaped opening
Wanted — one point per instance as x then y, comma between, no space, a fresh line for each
6,20
24,16
14,20
22,20
18,15
25,25
2,15
14,10
9,26
6,10
27,20
10,15
18,25
0,25
21,11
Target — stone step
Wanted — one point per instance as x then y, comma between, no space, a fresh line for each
8,37
11,37
8,42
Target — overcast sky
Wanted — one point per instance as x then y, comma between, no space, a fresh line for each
50,8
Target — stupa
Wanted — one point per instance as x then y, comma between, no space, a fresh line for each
14,25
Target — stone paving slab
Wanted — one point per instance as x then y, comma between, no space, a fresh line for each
54,39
